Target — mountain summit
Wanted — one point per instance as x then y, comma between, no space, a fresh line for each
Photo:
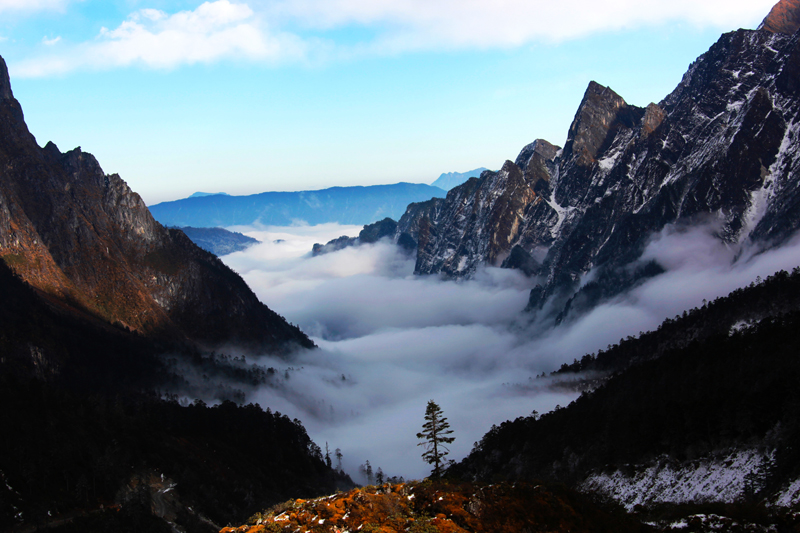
88,244
783,18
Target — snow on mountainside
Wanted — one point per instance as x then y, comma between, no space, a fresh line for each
789,496
724,478
727,478
718,149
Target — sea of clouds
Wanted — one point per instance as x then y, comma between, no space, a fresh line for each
390,341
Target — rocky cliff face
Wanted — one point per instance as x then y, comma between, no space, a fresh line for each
719,147
88,243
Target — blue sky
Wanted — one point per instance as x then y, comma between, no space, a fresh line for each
179,96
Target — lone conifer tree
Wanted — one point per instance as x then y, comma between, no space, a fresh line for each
435,431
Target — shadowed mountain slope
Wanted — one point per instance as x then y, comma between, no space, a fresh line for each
87,242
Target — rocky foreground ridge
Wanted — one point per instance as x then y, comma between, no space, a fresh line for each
88,244
436,506
462,507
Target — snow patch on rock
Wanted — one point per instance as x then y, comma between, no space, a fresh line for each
789,496
724,478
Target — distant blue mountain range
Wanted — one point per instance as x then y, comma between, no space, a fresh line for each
454,179
345,205
199,194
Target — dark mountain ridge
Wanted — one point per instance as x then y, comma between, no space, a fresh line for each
105,316
718,150
772,298
87,242
68,456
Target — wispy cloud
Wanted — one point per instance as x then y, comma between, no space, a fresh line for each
50,42
156,39
32,5
298,30
423,24
398,339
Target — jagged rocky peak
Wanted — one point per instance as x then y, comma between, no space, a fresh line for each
374,232
601,112
411,220
125,209
51,151
783,18
718,147
537,162
653,117
481,220
5,82
370,234
540,147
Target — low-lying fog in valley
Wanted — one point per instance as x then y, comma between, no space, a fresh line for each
390,341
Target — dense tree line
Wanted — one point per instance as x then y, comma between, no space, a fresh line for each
80,414
696,386
772,297
61,450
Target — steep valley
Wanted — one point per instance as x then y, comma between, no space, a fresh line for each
610,327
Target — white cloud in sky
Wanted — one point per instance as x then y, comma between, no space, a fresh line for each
32,5
50,42
421,24
155,39
259,31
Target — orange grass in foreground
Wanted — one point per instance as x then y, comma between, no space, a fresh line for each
443,507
